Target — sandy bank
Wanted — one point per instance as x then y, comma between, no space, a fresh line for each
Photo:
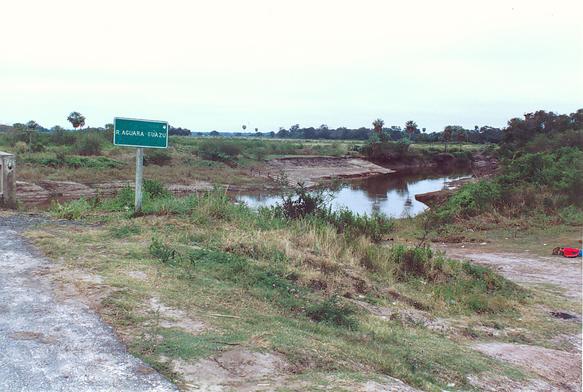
312,170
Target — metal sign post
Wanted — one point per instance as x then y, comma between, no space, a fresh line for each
139,178
132,132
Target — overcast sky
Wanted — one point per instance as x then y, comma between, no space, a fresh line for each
210,65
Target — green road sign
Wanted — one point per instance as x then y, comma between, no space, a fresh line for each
140,133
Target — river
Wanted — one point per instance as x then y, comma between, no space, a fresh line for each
392,194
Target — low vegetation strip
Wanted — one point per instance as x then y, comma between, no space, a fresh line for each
279,282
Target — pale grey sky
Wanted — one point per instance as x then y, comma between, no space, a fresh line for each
266,63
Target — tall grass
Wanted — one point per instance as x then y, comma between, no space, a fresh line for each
312,249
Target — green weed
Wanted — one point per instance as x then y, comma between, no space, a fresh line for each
72,210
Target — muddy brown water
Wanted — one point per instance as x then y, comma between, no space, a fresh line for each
392,194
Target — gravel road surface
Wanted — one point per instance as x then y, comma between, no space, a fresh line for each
51,345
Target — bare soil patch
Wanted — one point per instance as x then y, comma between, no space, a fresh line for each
238,369
558,370
176,318
383,384
407,316
312,170
528,269
489,382
561,369
43,192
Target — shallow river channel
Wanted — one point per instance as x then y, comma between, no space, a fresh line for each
392,194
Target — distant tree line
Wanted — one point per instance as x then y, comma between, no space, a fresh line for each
517,132
411,131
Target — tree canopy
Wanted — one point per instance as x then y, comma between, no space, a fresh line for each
76,119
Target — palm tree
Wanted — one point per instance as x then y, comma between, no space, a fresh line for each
31,127
76,119
378,125
411,127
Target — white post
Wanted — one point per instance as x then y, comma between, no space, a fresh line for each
139,178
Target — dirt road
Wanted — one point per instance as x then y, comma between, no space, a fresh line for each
50,345
528,269
557,370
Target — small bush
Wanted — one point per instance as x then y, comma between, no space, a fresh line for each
334,312
155,189
72,210
160,157
123,201
418,262
301,202
375,227
313,204
260,153
214,205
162,252
219,150
20,147
60,156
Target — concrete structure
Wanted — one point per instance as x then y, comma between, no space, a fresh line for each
7,180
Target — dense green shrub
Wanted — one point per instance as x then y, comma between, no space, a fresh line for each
530,182
470,200
89,144
219,149
560,171
302,202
